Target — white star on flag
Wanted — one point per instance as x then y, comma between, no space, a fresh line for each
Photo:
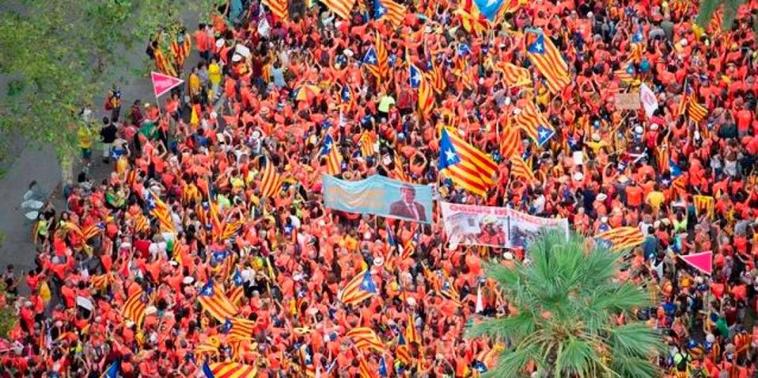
450,155
538,46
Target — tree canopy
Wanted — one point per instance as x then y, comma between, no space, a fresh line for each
58,55
568,301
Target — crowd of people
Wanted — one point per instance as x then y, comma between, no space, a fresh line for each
185,215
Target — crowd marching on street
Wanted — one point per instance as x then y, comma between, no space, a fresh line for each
209,250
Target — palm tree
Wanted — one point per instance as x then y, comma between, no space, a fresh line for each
567,301
708,8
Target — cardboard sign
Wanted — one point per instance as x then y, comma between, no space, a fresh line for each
627,101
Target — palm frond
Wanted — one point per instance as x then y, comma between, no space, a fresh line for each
634,367
634,340
567,298
513,327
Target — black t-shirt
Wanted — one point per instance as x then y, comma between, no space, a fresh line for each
108,133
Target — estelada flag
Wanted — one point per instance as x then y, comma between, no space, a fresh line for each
163,83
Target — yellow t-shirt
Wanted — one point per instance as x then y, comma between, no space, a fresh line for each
214,73
84,134
655,199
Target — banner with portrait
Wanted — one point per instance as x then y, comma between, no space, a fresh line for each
381,196
494,226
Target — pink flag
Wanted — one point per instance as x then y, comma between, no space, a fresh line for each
163,83
702,261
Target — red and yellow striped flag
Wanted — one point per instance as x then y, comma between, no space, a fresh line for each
391,11
359,288
516,76
333,157
466,165
520,168
548,61
280,8
531,120
425,97
232,370
367,142
398,172
101,281
213,300
134,308
472,20
703,204
341,8
410,330
695,111
619,239
363,369
510,142
365,339
271,181
437,78
242,329
208,347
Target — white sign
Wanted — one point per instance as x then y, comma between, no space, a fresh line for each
494,226
649,102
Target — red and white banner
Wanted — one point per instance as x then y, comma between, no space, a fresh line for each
494,226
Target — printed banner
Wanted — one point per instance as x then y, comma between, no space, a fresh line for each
494,226
381,196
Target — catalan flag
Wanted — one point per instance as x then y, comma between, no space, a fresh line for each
403,354
695,111
684,100
217,227
278,7
101,281
241,329
363,369
414,76
466,165
622,238
237,291
271,181
515,76
389,10
520,168
510,142
437,78
213,300
160,211
208,347
534,124
375,59
410,330
134,307
548,61
333,158
472,19
450,292
367,143
716,21
399,170
229,370
625,75
361,287
425,97
365,339
92,230
409,247
341,8
230,229
703,204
